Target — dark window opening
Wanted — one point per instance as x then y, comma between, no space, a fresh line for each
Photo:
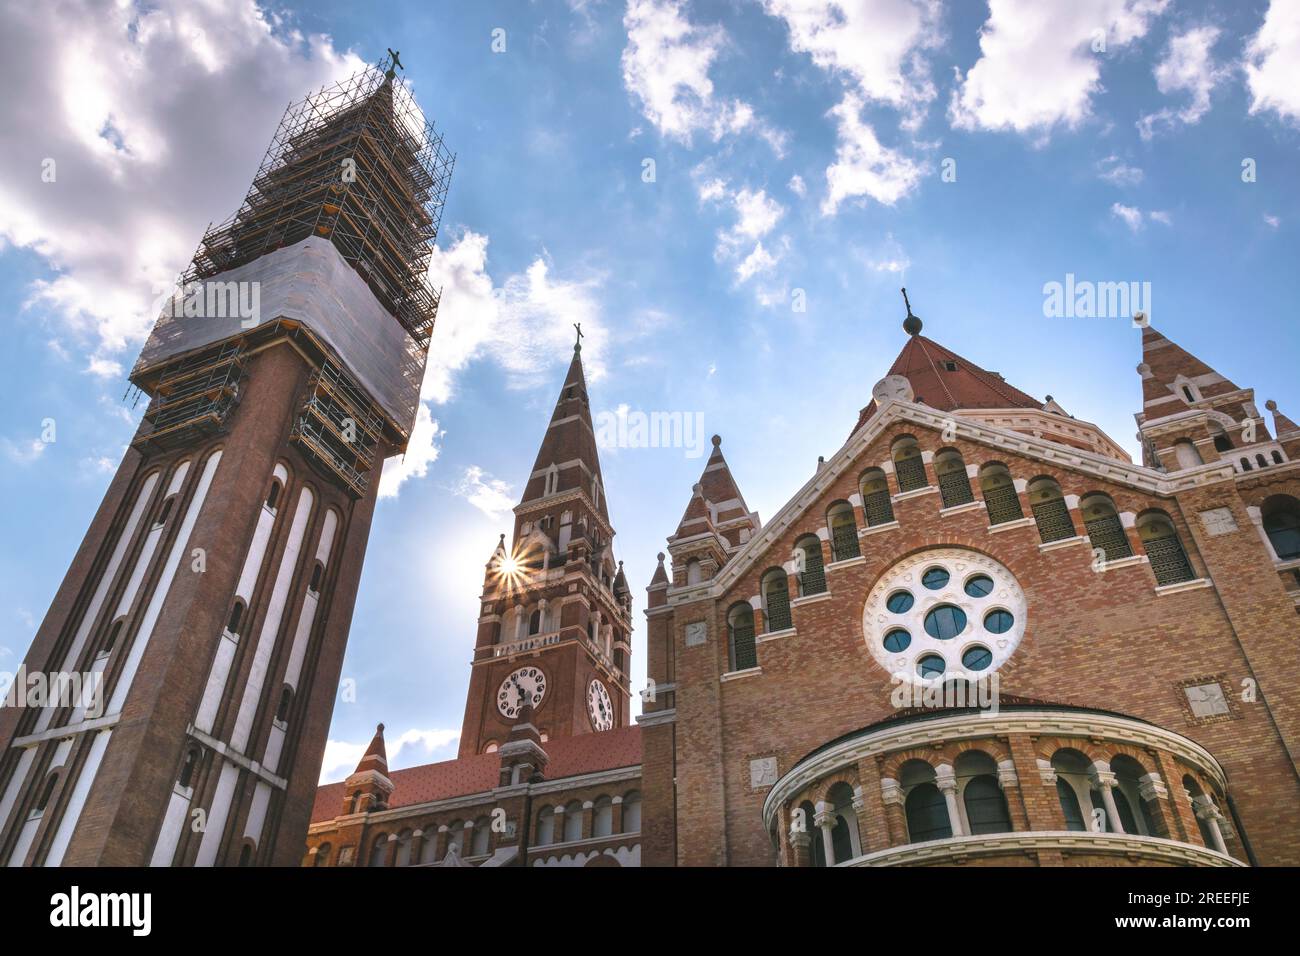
273,498
236,618
113,634
282,712
165,512
317,573
188,767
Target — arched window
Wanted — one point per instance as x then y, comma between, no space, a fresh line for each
1134,813
322,856
808,560
1070,806
927,814
694,571
236,619
535,623
986,807
403,857
429,847
844,531
1186,454
165,512
246,855
481,837
602,817
456,836
846,842
545,827
188,766
1245,464
1160,539
47,792
379,851
1105,531
776,599
1281,515
1277,457
1051,514
1261,461
999,491
875,497
114,633
908,464
632,812
573,822
740,636
273,496
954,483
1072,783
1222,442
286,701
924,805
552,480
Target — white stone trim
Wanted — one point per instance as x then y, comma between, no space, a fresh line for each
846,563
914,493
741,675
958,509
811,598
1028,522
655,718
1064,542
1066,841
1185,586
776,635
876,528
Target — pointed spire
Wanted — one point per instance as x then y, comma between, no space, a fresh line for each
1283,427
661,574
375,757
715,499
1167,370
568,457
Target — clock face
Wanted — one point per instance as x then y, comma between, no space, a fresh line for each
892,386
528,684
599,707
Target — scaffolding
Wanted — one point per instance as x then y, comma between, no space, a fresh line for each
194,396
356,163
338,428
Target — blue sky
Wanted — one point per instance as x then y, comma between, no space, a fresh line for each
798,151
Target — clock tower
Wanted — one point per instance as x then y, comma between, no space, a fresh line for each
555,622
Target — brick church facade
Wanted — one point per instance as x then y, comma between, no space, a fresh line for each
979,634
824,684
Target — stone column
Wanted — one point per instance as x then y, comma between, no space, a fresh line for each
946,781
1103,779
826,823
1207,811
417,846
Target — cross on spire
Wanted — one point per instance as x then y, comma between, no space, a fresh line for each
395,57
577,346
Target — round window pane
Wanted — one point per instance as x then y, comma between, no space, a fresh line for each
981,585
897,640
945,622
931,665
900,601
935,578
977,658
995,622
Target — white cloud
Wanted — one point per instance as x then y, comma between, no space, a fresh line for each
492,496
525,325
760,260
1037,66
23,452
712,189
1273,221
135,105
863,166
1272,62
1132,216
798,186
1118,173
102,367
1187,67
408,749
666,67
876,46
1163,218
421,452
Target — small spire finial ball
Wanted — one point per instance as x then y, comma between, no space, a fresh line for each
661,557
717,441
379,729
1271,405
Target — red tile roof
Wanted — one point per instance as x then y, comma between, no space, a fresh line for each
569,757
921,362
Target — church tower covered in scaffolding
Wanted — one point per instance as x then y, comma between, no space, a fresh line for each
212,595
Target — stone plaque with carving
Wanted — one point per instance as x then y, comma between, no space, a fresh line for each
697,632
1218,521
1206,700
762,772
